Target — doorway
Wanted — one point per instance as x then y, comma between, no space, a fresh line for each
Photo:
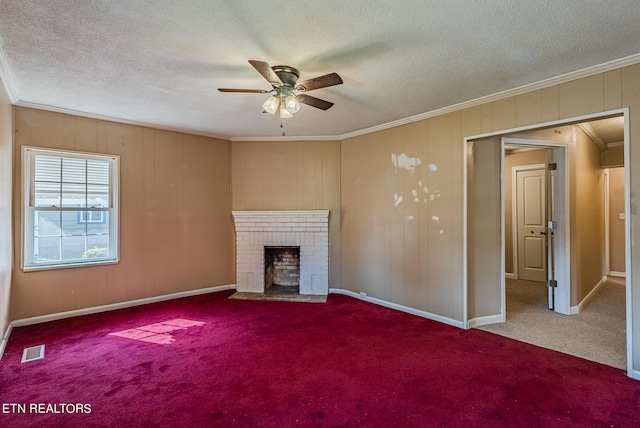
580,282
537,220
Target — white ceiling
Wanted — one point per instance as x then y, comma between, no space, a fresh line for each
159,62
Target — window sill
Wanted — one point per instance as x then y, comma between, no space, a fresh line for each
69,265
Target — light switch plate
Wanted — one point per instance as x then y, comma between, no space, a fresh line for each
621,216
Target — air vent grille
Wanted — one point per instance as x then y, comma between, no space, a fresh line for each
32,353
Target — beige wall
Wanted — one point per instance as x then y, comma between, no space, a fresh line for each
409,261
587,249
402,223
290,175
616,225
6,168
484,228
175,220
511,160
612,157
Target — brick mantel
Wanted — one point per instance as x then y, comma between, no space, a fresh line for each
308,229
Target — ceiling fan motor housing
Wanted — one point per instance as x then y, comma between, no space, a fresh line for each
288,76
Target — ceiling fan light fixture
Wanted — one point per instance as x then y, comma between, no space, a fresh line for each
292,104
284,112
271,104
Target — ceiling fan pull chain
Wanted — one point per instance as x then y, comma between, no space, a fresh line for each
282,127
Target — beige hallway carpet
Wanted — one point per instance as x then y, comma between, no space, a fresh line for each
597,333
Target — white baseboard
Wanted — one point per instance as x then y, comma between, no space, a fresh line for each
402,308
577,309
510,275
490,319
105,308
122,305
5,339
618,274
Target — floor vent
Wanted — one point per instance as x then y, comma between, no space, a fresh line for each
33,353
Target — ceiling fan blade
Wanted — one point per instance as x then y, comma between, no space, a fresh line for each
319,82
267,72
249,91
314,102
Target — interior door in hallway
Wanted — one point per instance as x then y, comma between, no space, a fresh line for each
531,217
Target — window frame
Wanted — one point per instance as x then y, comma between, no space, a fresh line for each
28,208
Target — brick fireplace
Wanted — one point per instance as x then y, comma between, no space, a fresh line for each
306,229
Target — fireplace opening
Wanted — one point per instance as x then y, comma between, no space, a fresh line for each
281,270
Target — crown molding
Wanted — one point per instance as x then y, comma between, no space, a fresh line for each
290,138
557,80
119,120
55,109
591,133
6,76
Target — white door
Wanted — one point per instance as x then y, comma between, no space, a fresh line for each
531,217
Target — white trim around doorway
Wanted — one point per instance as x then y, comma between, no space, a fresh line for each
631,371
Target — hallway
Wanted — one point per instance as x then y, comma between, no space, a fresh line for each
597,333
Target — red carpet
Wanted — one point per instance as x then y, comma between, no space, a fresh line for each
209,361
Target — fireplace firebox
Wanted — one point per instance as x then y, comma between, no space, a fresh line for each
282,267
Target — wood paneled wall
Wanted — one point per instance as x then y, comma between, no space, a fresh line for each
290,175
484,227
587,250
617,249
402,215
6,235
397,252
175,214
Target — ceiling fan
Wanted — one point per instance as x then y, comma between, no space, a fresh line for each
287,90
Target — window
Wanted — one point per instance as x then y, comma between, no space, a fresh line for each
70,208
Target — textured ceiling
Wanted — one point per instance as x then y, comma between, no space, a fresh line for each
609,131
160,62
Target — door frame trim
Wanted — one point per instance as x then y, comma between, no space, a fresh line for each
467,142
607,231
